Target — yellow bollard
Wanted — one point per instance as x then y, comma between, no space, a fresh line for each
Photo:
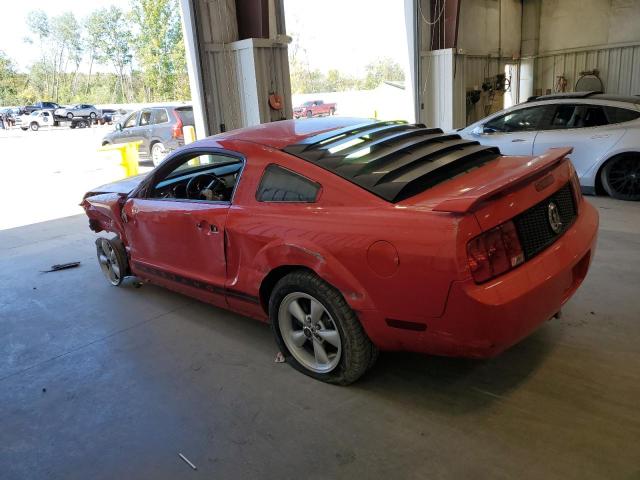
129,158
189,133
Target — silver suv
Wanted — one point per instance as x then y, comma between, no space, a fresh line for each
159,129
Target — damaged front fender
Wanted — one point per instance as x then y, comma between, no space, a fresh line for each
104,212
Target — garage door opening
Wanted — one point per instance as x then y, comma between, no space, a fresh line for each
349,58
77,76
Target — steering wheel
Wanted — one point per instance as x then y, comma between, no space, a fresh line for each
205,186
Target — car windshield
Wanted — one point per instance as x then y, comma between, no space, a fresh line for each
307,104
35,112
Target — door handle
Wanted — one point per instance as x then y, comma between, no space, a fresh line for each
603,135
212,228
518,140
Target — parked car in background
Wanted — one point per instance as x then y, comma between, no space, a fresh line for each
604,131
159,129
314,108
80,110
36,119
52,106
9,116
107,115
351,236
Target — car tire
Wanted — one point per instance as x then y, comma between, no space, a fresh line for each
112,259
309,114
332,111
620,177
24,128
92,115
341,360
70,116
34,126
158,153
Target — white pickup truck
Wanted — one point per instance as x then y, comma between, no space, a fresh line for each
36,119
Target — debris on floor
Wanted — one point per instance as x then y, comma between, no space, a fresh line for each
62,266
187,461
279,358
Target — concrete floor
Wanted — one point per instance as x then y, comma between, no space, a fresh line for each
101,382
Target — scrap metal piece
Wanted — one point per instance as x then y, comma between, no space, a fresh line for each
187,461
61,266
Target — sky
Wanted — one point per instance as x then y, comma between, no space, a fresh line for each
348,34
340,34
14,26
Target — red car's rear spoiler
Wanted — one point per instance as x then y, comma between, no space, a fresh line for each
474,197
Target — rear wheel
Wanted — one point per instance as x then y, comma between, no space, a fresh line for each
621,177
112,259
157,153
34,126
69,116
309,114
332,111
317,331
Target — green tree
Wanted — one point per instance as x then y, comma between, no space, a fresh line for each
9,81
93,33
159,48
380,70
115,44
67,47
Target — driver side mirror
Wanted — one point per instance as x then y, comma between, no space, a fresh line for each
118,127
484,130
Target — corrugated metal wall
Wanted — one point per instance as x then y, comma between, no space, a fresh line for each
442,90
619,69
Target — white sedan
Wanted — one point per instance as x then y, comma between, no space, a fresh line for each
604,131
35,120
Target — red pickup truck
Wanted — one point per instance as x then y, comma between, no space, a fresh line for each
314,108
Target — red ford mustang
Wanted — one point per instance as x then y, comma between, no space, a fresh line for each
352,236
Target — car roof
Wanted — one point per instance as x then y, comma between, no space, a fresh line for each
288,132
587,95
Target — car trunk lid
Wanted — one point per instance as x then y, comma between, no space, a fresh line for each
500,190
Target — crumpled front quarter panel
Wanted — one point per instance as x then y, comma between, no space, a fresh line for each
103,211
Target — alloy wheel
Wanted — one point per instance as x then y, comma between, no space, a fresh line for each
157,154
309,332
624,176
108,260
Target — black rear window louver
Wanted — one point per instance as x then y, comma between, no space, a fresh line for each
393,160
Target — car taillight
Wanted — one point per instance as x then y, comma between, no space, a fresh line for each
494,252
176,131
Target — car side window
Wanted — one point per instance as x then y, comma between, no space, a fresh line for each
281,185
145,118
131,121
201,177
620,115
565,116
594,116
525,119
159,116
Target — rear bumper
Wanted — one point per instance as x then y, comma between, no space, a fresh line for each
480,321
